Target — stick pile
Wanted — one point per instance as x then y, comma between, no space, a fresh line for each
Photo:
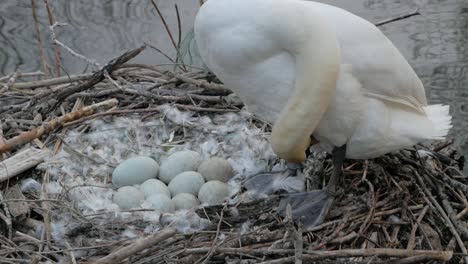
406,207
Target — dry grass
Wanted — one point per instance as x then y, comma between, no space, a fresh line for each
399,208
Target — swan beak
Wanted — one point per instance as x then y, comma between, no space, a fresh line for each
295,155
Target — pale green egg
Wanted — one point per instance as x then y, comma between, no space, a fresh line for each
154,186
185,201
213,192
161,203
177,163
128,197
135,170
216,169
186,182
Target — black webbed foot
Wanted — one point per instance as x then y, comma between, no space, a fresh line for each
310,208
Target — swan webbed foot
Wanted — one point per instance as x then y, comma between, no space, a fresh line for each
311,208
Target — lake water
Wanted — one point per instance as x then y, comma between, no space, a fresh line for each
435,42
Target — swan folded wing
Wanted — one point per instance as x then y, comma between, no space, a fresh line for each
385,74
408,101
377,64
392,80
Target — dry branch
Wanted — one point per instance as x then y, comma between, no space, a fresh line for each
17,209
24,74
99,75
52,81
344,253
53,124
20,162
400,17
56,50
37,33
137,246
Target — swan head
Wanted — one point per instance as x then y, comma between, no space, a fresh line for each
291,153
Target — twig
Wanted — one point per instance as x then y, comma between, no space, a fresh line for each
53,124
99,75
455,184
317,255
20,162
202,109
105,73
56,50
95,94
462,213
46,209
179,38
298,243
344,239
443,214
201,83
69,50
114,112
414,259
37,33
452,215
382,213
70,252
163,20
179,28
443,145
414,228
178,97
13,107
6,217
10,83
400,17
137,246
161,52
23,74
53,81
215,240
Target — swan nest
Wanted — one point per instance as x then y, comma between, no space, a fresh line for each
58,207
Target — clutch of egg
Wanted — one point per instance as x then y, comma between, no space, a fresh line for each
183,181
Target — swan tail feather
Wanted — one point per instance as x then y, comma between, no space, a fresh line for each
440,117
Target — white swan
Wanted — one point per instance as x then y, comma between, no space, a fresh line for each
315,69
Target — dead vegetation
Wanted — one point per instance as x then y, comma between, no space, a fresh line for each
406,207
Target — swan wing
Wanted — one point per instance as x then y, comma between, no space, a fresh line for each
376,63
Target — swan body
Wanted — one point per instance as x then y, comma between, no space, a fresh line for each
315,69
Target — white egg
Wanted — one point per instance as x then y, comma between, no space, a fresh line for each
213,192
154,186
135,170
128,197
216,169
161,203
186,182
185,201
177,163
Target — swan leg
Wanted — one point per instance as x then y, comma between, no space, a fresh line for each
338,156
312,207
